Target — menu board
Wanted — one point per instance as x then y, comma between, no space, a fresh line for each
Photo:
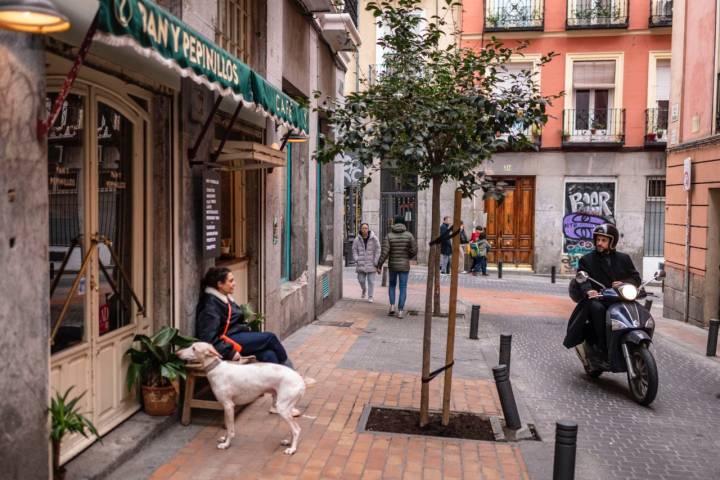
211,214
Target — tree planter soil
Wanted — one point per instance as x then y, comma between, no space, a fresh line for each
462,425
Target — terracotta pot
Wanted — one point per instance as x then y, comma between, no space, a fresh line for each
159,401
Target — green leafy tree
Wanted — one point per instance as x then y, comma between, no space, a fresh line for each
436,111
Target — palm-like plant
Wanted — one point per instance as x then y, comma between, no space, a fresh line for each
66,418
155,363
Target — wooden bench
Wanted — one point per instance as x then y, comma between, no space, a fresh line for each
190,397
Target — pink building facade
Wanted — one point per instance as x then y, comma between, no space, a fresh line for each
601,156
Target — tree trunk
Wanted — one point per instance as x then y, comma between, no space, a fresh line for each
433,260
436,291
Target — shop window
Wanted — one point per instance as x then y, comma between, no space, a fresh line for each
67,221
234,27
233,229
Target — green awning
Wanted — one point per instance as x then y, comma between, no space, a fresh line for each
153,32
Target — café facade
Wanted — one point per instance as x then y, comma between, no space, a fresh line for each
160,146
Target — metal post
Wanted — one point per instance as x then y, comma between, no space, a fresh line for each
507,399
499,268
474,320
648,304
384,277
505,347
712,337
552,274
565,446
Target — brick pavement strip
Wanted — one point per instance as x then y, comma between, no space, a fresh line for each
330,446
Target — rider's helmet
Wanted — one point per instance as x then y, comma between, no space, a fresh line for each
607,230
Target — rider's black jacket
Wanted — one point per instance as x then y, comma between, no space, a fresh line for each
605,268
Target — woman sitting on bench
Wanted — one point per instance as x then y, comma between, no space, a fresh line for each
221,322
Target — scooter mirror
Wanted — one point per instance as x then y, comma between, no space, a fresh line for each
581,277
660,274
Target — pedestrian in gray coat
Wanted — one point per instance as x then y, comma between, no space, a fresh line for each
366,251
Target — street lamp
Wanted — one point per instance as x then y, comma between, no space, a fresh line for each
33,16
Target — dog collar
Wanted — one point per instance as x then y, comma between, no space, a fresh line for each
214,364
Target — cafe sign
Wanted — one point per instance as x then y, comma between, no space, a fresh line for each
154,32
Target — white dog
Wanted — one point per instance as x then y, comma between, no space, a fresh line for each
235,383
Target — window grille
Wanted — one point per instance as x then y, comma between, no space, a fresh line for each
655,217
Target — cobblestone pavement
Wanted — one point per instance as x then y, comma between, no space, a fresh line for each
677,437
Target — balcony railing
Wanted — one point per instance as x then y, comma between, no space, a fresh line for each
596,127
661,13
656,126
514,15
351,7
597,14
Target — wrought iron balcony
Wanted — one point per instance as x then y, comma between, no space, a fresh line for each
661,13
583,14
351,7
514,15
656,127
595,127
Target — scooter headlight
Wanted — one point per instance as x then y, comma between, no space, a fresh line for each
628,292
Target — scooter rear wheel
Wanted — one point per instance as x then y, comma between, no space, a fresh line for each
644,386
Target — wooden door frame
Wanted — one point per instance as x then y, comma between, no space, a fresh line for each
497,248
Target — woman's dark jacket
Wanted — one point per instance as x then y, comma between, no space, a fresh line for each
606,269
210,319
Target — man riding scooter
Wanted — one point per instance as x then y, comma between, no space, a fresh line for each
610,268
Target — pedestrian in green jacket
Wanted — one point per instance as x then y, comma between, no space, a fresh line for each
398,247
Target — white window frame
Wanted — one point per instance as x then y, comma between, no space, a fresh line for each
615,97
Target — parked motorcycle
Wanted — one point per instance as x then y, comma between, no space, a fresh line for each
629,330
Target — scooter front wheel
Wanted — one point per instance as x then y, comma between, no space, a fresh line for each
644,386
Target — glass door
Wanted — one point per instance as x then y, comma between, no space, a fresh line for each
97,238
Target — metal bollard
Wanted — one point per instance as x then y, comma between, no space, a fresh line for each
383,283
499,269
648,304
505,346
712,337
552,274
507,399
474,320
565,446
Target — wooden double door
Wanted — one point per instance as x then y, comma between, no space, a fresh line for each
510,223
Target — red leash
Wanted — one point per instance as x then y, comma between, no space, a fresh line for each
236,346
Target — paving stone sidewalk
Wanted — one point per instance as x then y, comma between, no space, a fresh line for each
373,361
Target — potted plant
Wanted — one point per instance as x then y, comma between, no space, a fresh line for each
255,320
155,366
650,137
66,418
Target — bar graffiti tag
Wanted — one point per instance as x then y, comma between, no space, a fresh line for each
587,205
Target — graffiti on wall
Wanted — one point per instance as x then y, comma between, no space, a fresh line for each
587,205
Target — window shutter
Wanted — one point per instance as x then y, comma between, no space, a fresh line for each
594,74
662,86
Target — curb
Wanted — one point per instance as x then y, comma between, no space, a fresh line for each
118,446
